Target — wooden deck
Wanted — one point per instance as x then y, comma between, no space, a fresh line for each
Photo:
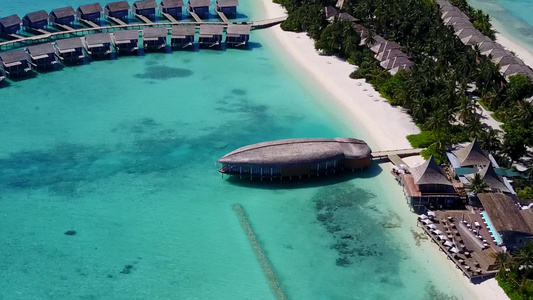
396,160
63,27
223,17
269,22
400,153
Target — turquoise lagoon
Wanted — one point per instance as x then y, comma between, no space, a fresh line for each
123,152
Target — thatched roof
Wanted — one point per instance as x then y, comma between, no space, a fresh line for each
13,56
385,46
454,12
69,44
394,62
37,16
465,32
295,152
235,30
487,46
98,38
199,3
10,21
118,6
514,69
209,30
472,155
183,31
228,3
527,214
330,11
64,12
126,35
475,39
503,213
41,49
494,180
508,60
442,3
453,20
462,25
429,173
145,4
90,8
172,3
154,32
347,17
390,54
495,53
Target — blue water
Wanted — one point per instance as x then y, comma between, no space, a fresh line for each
123,152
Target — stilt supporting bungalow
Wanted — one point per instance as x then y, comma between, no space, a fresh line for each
173,8
16,63
182,36
145,8
227,7
63,16
210,35
117,10
126,41
42,56
199,7
10,25
155,38
90,12
70,50
36,20
237,35
98,44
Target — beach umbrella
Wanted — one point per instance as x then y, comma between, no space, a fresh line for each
432,226
422,217
454,250
443,237
448,244
427,221
438,232
431,213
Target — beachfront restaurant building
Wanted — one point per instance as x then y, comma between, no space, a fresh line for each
70,50
119,10
126,41
172,7
36,20
10,24
63,16
237,35
98,44
210,35
145,8
155,38
15,63
227,7
42,55
509,226
90,12
182,36
199,7
426,186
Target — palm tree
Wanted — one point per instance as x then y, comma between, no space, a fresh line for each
477,184
503,261
490,140
524,257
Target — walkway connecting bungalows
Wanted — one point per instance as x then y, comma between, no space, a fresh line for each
227,7
36,20
182,36
98,44
155,38
126,41
145,8
10,24
237,35
70,50
210,35
199,7
15,63
172,7
296,158
43,55
90,12
119,10
63,16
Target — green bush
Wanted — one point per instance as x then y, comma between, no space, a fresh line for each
525,193
422,140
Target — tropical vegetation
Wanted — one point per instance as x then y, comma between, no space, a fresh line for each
515,274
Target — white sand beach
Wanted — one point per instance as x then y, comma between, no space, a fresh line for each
389,127
511,44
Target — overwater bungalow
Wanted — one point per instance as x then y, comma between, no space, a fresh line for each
210,35
2,73
119,10
90,12
237,35
126,41
506,222
199,7
155,38
145,8
172,7
36,20
63,16
98,44
42,55
295,158
70,50
182,36
427,185
16,63
10,24
227,7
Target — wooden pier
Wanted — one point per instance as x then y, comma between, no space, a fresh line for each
195,17
117,21
143,19
223,17
89,23
169,17
400,153
268,23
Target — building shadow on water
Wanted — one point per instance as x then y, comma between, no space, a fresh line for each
324,180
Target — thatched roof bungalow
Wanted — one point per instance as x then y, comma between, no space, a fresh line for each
126,41
63,16
42,55
182,36
119,10
392,53
172,7
10,24
330,12
472,155
36,20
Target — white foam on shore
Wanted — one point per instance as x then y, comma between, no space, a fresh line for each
358,104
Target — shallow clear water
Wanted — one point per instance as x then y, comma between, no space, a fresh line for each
123,152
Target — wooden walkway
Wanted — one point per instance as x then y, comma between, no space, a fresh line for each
89,23
170,18
195,17
69,32
117,21
396,160
64,27
399,153
144,19
223,17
